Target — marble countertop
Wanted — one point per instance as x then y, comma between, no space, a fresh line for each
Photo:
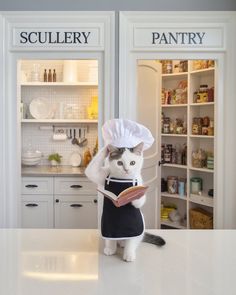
41,170
60,262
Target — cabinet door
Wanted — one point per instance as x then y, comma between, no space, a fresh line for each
75,212
37,211
37,186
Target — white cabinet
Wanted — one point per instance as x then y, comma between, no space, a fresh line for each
75,203
37,211
60,202
75,212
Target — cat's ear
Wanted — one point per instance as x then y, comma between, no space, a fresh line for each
111,148
138,148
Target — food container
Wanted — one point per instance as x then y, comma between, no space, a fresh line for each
200,219
181,187
172,184
196,185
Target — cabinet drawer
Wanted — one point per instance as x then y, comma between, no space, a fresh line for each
37,185
37,211
73,186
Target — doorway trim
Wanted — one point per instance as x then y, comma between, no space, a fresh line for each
133,46
102,24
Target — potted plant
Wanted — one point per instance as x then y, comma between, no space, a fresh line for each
54,159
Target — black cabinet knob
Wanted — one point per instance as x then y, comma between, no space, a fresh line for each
57,200
95,201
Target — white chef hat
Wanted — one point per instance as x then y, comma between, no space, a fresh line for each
126,133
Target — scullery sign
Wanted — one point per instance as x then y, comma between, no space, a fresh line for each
180,38
57,37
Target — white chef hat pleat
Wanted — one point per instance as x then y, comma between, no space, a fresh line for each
126,133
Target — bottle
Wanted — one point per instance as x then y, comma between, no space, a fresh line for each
87,157
54,76
45,76
50,76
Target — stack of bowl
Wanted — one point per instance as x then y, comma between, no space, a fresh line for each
31,158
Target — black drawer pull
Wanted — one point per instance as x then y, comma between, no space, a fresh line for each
76,186
31,186
76,205
95,201
31,205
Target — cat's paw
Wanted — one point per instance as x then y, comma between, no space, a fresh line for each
129,256
109,251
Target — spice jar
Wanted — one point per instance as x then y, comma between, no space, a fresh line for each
203,93
210,93
169,66
172,184
197,126
167,153
166,125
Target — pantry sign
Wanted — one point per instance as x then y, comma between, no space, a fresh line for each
57,37
178,38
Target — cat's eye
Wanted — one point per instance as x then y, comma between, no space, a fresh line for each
119,163
132,163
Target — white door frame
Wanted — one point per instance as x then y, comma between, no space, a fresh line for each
131,49
102,24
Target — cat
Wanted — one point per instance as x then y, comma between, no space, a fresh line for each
122,169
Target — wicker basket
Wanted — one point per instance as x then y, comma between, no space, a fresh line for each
200,219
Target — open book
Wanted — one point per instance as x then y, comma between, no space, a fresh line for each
128,195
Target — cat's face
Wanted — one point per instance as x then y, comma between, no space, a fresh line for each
124,162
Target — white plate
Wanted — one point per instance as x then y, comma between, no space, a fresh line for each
40,108
75,159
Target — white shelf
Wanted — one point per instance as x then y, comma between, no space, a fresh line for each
174,75
175,196
175,166
172,224
202,169
202,104
46,84
202,199
58,121
174,105
174,135
202,71
202,136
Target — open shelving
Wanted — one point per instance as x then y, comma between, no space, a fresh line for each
188,111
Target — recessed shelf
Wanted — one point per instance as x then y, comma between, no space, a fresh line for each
173,105
175,166
46,84
58,121
202,136
202,169
174,75
202,71
174,135
202,199
175,196
202,104
172,224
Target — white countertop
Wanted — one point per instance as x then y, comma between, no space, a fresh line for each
67,262
41,170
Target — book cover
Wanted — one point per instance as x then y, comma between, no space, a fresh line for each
126,196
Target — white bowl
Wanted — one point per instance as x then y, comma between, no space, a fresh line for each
31,154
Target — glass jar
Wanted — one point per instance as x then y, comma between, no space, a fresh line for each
196,185
169,66
172,184
181,187
166,125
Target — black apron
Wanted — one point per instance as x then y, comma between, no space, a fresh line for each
120,222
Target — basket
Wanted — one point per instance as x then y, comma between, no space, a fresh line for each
200,219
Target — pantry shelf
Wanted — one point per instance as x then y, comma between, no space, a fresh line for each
175,166
172,224
173,75
202,199
59,121
46,84
175,196
202,169
173,105
202,136
174,135
202,104
203,71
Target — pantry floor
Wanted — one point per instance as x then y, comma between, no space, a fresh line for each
35,261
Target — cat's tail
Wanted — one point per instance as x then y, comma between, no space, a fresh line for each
153,239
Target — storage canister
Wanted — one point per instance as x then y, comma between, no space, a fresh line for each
196,185
181,186
172,184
